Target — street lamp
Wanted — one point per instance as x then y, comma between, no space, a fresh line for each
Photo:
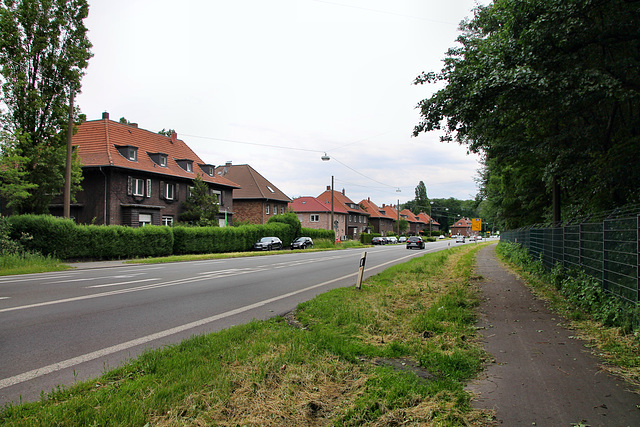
326,158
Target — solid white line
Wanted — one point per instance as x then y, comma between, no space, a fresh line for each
26,376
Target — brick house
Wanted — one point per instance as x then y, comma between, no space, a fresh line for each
462,227
379,221
257,199
357,219
391,212
432,225
316,214
135,177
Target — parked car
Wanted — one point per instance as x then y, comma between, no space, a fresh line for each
402,239
268,244
393,239
415,242
459,239
302,243
377,241
441,237
479,238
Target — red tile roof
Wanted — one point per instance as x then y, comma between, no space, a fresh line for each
390,211
312,204
340,199
427,219
97,143
252,184
408,215
373,210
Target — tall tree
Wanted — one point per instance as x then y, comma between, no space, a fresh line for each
554,83
422,201
43,51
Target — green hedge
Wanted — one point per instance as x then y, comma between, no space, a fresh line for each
317,234
63,239
203,240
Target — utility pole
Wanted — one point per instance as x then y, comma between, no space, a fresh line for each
67,175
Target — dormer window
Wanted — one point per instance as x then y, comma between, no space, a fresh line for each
185,164
129,152
208,169
159,158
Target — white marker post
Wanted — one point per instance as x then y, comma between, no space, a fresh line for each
363,259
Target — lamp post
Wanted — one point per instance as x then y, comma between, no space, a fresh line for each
326,158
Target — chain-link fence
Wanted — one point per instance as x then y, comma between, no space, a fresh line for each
604,247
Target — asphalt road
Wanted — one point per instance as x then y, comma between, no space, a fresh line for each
57,328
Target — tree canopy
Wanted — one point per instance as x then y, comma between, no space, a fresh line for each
201,207
548,91
43,51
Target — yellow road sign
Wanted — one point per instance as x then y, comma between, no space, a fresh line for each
476,224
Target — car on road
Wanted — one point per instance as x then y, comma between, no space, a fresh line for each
441,237
402,239
302,243
392,239
268,244
415,242
460,239
377,241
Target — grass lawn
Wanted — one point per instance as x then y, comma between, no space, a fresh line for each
397,352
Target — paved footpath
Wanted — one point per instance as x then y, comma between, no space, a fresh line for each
541,375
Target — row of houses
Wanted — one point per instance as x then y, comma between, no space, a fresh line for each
136,177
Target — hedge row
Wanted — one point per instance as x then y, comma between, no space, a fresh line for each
64,239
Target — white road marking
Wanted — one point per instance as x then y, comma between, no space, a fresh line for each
122,283
26,376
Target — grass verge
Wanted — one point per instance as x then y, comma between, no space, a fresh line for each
26,263
397,352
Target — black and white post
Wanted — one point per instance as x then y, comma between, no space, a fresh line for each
363,259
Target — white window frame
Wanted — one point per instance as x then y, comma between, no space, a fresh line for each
314,218
267,209
138,185
167,220
169,191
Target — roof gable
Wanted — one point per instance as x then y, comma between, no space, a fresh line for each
252,184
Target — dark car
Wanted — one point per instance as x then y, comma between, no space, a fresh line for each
377,241
415,242
268,243
302,243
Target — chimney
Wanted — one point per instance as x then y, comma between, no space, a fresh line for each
343,191
105,116
173,137
328,188
368,199
135,125
228,164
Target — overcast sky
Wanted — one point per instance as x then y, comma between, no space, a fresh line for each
277,83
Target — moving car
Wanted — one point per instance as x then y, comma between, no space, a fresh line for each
402,239
415,242
392,239
302,243
460,239
268,243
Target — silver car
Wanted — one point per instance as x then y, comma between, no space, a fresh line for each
268,244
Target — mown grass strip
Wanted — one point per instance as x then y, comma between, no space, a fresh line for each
345,361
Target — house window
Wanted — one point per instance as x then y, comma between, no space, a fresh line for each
189,167
282,209
267,209
144,219
170,191
167,220
162,161
218,195
138,187
315,218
